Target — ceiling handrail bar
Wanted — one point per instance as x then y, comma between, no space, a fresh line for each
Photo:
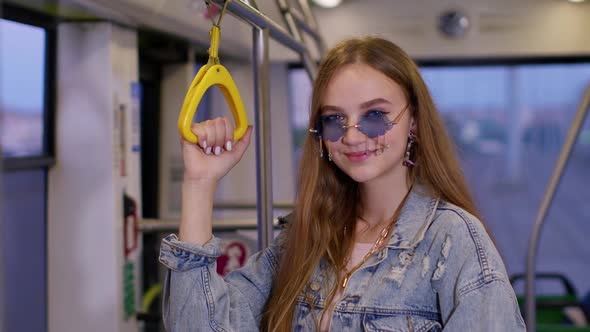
255,18
294,29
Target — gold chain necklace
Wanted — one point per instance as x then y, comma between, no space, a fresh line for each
378,243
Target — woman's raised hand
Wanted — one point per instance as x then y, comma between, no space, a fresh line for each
215,154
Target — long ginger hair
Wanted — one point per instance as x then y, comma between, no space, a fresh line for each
327,204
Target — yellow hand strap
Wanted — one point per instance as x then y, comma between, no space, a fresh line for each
212,73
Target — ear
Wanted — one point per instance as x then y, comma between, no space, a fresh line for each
413,124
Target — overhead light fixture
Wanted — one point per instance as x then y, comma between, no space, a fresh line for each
327,3
576,0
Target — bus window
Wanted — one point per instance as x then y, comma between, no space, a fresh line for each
26,53
22,82
508,123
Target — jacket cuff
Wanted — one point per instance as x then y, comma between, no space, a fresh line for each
182,256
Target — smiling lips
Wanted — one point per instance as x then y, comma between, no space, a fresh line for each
358,156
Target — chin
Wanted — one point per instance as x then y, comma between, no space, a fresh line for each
361,175
362,179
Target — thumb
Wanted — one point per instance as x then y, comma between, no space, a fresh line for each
241,145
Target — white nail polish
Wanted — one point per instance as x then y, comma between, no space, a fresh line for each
217,150
204,144
208,150
228,146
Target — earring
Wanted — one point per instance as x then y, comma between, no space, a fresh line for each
408,162
322,150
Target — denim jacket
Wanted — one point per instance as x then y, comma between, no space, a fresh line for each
439,271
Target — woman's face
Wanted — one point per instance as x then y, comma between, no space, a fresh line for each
355,92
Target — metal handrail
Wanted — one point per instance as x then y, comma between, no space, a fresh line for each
566,150
256,19
219,225
294,29
250,206
307,14
263,28
260,39
309,18
300,20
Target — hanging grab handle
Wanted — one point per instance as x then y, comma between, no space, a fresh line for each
212,73
206,77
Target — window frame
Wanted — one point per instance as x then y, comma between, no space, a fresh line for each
49,24
501,61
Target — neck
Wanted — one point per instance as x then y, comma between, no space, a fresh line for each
381,197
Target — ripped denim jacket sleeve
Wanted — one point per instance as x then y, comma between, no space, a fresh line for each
474,291
196,298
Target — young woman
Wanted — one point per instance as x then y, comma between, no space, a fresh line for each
384,235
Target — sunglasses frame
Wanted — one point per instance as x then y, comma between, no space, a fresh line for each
388,126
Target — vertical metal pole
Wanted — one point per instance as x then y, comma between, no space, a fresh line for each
3,250
262,127
566,150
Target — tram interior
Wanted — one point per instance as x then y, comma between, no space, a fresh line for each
90,92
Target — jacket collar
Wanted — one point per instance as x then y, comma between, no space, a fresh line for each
416,216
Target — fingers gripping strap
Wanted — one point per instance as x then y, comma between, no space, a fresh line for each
206,77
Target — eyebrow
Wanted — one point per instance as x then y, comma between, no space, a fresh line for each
374,102
366,104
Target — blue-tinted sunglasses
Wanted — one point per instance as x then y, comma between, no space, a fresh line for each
373,124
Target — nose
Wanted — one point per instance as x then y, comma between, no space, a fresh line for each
353,136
